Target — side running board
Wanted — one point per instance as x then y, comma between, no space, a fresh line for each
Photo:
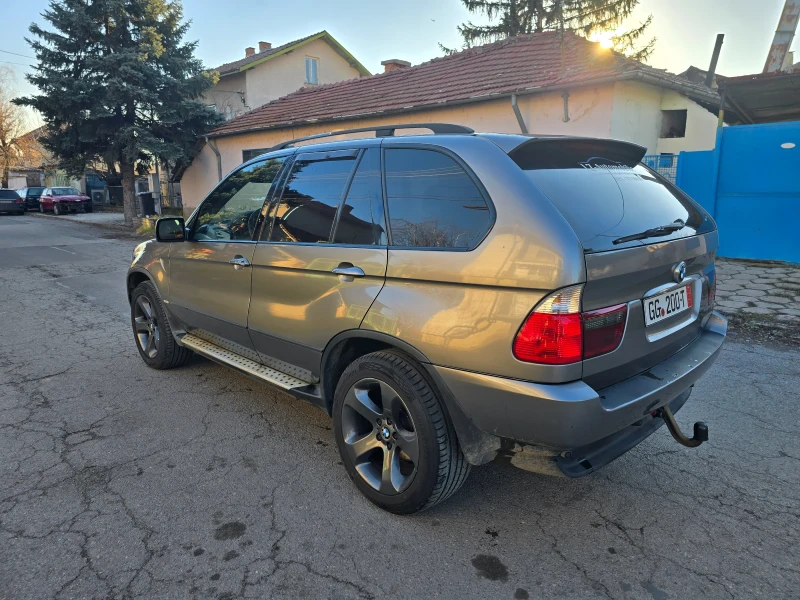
245,365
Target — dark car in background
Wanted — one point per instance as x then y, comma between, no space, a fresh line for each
63,200
31,196
11,202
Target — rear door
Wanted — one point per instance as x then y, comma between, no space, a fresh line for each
647,245
321,260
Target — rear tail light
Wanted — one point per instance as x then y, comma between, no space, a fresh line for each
557,333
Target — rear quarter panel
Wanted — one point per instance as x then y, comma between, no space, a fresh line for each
462,309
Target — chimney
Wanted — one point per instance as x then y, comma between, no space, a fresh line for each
393,64
264,46
249,51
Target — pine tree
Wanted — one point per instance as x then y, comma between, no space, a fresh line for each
118,86
586,17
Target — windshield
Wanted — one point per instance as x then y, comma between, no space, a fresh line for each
608,195
69,191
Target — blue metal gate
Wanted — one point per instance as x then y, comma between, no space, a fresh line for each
750,183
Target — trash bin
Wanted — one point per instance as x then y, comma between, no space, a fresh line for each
147,205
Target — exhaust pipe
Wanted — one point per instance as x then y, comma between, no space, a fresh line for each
700,429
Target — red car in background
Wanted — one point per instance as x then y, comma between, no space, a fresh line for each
62,200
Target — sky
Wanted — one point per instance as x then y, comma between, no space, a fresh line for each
375,30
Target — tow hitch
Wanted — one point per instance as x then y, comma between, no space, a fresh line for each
700,429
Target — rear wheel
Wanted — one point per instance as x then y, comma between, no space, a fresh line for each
41,207
394,437
56,209
151,330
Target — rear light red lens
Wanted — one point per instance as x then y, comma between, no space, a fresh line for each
689,295
550,339
603,329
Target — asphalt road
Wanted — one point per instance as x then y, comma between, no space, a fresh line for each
117,481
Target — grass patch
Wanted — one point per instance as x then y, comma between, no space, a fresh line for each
146,229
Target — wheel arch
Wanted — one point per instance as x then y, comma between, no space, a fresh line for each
135,277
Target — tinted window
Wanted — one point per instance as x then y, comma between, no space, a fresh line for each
231,211
35,191
605,195
310,198
432,202
8,194
361,217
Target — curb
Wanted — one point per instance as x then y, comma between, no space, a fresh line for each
66,219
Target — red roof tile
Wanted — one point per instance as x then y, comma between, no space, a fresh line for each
520,64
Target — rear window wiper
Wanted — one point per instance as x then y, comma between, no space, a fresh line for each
654,232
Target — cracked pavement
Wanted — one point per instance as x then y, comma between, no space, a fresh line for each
117,481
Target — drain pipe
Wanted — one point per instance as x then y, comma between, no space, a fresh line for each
520,120
219,158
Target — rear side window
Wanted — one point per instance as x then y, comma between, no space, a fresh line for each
361,219
432,202
605,194
311,197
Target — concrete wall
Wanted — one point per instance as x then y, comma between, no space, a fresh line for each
637,118
701,125
287,73
590,115
225,97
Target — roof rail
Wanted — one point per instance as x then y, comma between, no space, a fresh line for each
382,131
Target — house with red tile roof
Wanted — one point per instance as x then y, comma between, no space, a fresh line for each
269,73
540,83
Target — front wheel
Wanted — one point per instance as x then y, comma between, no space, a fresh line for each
151,330
394,437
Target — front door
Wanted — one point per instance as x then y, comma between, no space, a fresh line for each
210,273
321,260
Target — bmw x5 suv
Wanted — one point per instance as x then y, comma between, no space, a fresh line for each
447,299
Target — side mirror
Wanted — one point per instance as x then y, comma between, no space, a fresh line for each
170,229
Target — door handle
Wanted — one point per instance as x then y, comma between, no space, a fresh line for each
239,261
348,272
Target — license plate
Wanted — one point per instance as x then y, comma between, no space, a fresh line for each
662,306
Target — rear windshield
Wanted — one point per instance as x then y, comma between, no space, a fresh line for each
605,194
8,195
35,191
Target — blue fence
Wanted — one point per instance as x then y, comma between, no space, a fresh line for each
750,183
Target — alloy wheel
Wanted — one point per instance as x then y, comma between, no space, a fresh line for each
148,333
379,436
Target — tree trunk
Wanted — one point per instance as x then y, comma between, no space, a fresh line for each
4,183
128,191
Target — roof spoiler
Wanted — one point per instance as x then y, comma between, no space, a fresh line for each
382,131
569,152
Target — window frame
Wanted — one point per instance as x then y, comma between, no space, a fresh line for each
190,222
276,198
315,61
464,166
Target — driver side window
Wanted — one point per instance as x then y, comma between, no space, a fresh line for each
231,212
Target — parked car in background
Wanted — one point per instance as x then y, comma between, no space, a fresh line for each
62,200
448,299
31,196
11,202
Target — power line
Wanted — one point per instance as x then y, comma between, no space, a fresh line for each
16,54
16,63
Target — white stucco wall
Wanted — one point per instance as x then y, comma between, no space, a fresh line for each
225,95
637,118
287,73
590,115
701,125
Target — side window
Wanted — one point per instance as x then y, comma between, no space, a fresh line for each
361,219
432,202
230,213
311,197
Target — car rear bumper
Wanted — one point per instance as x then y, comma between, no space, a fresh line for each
11,206
573,415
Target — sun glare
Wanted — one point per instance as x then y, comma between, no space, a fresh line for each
604,38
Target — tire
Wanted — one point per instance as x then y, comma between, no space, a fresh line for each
87,208
56,209
371,387
164,353
41,208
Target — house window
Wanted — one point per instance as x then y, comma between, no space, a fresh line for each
673,123
312,65
248,154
